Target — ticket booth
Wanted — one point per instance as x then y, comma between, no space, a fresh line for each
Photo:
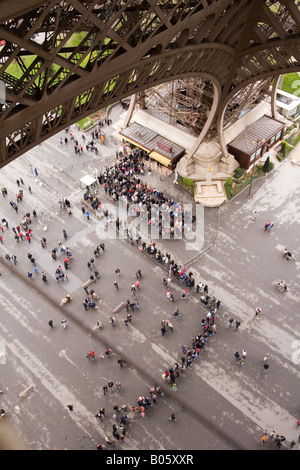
160,149
89,183
257,139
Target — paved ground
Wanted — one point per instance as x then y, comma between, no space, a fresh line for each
219,404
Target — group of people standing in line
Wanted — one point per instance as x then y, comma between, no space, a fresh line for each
123,181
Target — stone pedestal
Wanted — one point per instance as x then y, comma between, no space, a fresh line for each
209,195
228,164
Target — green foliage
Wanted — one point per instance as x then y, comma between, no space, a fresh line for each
267,166
188,182
85,123
297,140
291,83
288,145
228,188
284,148
238,172
234,186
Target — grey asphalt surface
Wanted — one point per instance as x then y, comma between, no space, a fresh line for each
219,404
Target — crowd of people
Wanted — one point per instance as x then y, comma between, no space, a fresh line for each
123,183
189,354
277,439
23,230
122,180
181,276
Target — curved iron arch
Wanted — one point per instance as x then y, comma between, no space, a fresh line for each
167,40
276,73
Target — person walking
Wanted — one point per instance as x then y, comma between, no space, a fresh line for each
129,316
267,355
258,312
277,442
100,447
266,367
111,385
237,356
118,386
176,313
91,356
264,439
50,323
64,323
172,417
133,290
98,415
85,288
108,353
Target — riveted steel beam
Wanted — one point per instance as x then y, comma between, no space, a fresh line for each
62,60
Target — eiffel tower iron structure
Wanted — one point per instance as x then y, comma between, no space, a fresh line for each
61,61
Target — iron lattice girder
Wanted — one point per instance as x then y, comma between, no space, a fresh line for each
89,54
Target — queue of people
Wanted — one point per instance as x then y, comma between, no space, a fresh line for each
123,182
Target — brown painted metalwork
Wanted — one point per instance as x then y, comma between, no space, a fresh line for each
63,60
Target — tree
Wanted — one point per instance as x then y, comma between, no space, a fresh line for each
267,166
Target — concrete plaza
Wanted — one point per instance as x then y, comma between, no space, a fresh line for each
219,404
